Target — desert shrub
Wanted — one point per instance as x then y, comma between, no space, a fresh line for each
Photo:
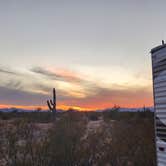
126,140
4,117
64,141
111,114
120,116
20,145
132,143
141,133
122,143
41,117
38,117
93,116
74,115
60,146
15,110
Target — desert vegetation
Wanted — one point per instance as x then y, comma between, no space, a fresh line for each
109,138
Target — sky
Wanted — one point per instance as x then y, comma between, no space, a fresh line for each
94,52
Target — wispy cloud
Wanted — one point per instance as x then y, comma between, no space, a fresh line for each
91,94
72,83
72,90
20,97
105,97
42,87
14,84
62,75
9,95
7,71
102,98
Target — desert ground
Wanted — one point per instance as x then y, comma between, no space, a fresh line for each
110,138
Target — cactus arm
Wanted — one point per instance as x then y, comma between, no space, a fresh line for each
51,102
48,103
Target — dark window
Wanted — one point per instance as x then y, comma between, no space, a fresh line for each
161,149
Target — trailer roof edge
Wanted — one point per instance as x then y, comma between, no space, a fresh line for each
155,49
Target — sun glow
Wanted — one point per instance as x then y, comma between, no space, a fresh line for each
61,107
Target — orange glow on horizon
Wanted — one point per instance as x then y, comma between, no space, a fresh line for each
21,106
83,107
63,107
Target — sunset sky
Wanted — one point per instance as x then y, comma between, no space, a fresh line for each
94,52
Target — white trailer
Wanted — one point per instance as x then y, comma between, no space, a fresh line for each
159,92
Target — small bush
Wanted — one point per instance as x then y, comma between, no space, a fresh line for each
93,116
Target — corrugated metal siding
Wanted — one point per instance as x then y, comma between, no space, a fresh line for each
159,84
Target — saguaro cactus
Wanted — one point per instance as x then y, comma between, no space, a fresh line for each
52,103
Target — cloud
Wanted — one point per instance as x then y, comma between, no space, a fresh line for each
6,71
82,92
41,87
20,97
44,72
98,96
105,98
14,84
73,83
62,75
102,98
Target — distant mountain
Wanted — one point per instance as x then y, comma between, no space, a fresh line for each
136,109
23,110
129,109
59,110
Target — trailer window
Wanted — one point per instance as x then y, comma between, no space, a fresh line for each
161,149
